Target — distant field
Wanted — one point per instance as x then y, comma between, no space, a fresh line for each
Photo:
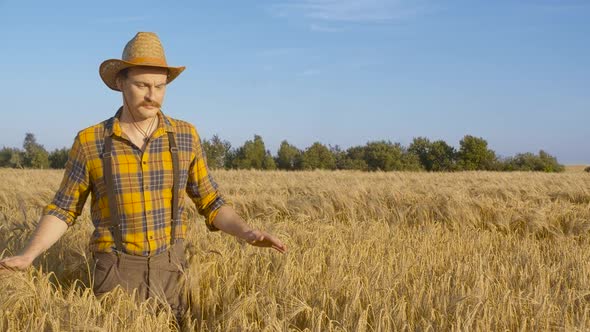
477,251
575,168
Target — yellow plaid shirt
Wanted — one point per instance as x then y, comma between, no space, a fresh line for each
143,185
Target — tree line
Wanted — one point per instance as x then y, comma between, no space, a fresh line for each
33,155
421,154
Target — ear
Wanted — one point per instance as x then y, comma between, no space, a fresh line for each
119,82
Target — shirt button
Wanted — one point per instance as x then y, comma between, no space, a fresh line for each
149,212
145,162
147,187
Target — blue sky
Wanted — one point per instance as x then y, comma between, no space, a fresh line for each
516,73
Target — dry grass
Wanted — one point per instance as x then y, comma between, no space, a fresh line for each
575,168
368,252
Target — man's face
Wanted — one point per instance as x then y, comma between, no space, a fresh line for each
143,91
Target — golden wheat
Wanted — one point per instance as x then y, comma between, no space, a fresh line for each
367,252
575,168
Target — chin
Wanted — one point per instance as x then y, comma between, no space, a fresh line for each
147,112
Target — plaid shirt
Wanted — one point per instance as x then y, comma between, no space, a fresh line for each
143,185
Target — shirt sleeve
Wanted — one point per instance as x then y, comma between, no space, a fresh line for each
71,196
201,188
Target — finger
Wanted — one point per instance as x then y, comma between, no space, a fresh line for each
274,242
4,266
278,243
282,249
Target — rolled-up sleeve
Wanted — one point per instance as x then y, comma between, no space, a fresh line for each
69,200
201,188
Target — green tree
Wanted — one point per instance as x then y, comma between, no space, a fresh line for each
421,147
410,162
58,158
354,164
354,159
289,157
269,162
442,157
251,155
217,151
550,163
543,162
475,155
5,155
351,159
230,159
10,157
35,154
339,155
384,156
522,162
318,156
434,156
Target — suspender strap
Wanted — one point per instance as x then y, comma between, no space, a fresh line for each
175,186
115,226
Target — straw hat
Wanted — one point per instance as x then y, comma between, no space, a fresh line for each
145,49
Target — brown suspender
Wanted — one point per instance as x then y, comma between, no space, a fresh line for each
115,225
107,167
175,186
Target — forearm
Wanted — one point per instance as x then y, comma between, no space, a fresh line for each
228,221
48,231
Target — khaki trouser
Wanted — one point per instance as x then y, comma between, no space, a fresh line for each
158,276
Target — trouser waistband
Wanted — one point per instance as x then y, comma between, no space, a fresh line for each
164,257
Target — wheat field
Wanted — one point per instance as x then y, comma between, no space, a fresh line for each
478,251
575,168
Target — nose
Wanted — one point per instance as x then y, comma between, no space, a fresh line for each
150,93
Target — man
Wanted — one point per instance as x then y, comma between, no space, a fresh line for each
136,165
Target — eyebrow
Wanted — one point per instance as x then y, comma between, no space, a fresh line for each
146,83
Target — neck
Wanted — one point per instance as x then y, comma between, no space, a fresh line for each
143,126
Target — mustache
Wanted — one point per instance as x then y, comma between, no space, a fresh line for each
150,103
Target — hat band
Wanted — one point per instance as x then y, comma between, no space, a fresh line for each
148,61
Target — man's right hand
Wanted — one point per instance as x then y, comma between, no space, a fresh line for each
48,231
15,263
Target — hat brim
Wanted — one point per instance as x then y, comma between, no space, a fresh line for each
110,68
